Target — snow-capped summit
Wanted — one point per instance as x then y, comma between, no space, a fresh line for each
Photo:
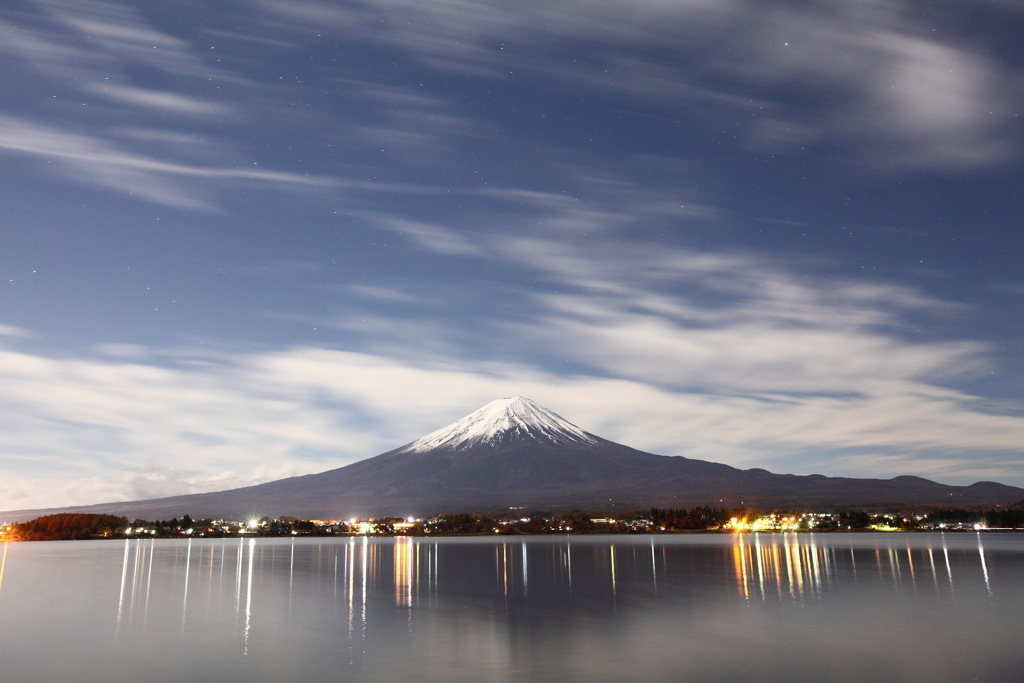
505,421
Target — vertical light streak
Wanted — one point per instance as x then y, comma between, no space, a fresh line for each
209,578
793,549
984,566
949,570
427,550
238,579
894,567
184,602
124,577
792,573
931,561
365,554
223,552
248,601
568,558
910,562
828,563
814,567
403,568
135,580
611,553
654,567
504,567
760,565
777,555
350,573
3,563
149,580
789,567
739,560
291,574
526,590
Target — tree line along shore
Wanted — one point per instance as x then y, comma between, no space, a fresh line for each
79,526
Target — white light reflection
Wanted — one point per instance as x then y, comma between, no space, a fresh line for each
149,580
568,559
949,570
124,577
931,561
611,553
654,568
139,554
363,611
184,603
209,578
238,579
350,574
291,574
984,566
248,601
526,590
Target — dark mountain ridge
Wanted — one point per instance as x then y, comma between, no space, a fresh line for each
513,453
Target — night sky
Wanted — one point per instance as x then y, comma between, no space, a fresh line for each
244,240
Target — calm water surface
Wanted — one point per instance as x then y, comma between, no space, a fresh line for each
793,608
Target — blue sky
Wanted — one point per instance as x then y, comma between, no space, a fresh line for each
243,240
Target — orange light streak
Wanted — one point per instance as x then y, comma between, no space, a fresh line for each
3,563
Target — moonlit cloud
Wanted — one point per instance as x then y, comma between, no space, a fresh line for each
161,100
96,161
435,238
893,81
13,331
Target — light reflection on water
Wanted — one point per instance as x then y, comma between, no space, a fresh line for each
769,607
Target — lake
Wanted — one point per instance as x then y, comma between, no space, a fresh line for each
710,608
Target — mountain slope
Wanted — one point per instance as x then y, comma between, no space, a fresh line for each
514,453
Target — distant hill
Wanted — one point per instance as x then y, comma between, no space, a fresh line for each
513,453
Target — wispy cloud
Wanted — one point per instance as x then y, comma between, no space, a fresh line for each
13,331
927,99
101,162
160,100
435,238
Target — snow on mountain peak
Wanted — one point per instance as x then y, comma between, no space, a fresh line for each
506,420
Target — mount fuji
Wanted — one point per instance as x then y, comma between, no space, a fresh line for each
513,453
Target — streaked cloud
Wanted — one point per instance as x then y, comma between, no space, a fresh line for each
885,75
435,238
101,162
13,331
164,101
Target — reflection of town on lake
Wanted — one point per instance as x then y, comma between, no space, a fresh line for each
246,576
798,607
